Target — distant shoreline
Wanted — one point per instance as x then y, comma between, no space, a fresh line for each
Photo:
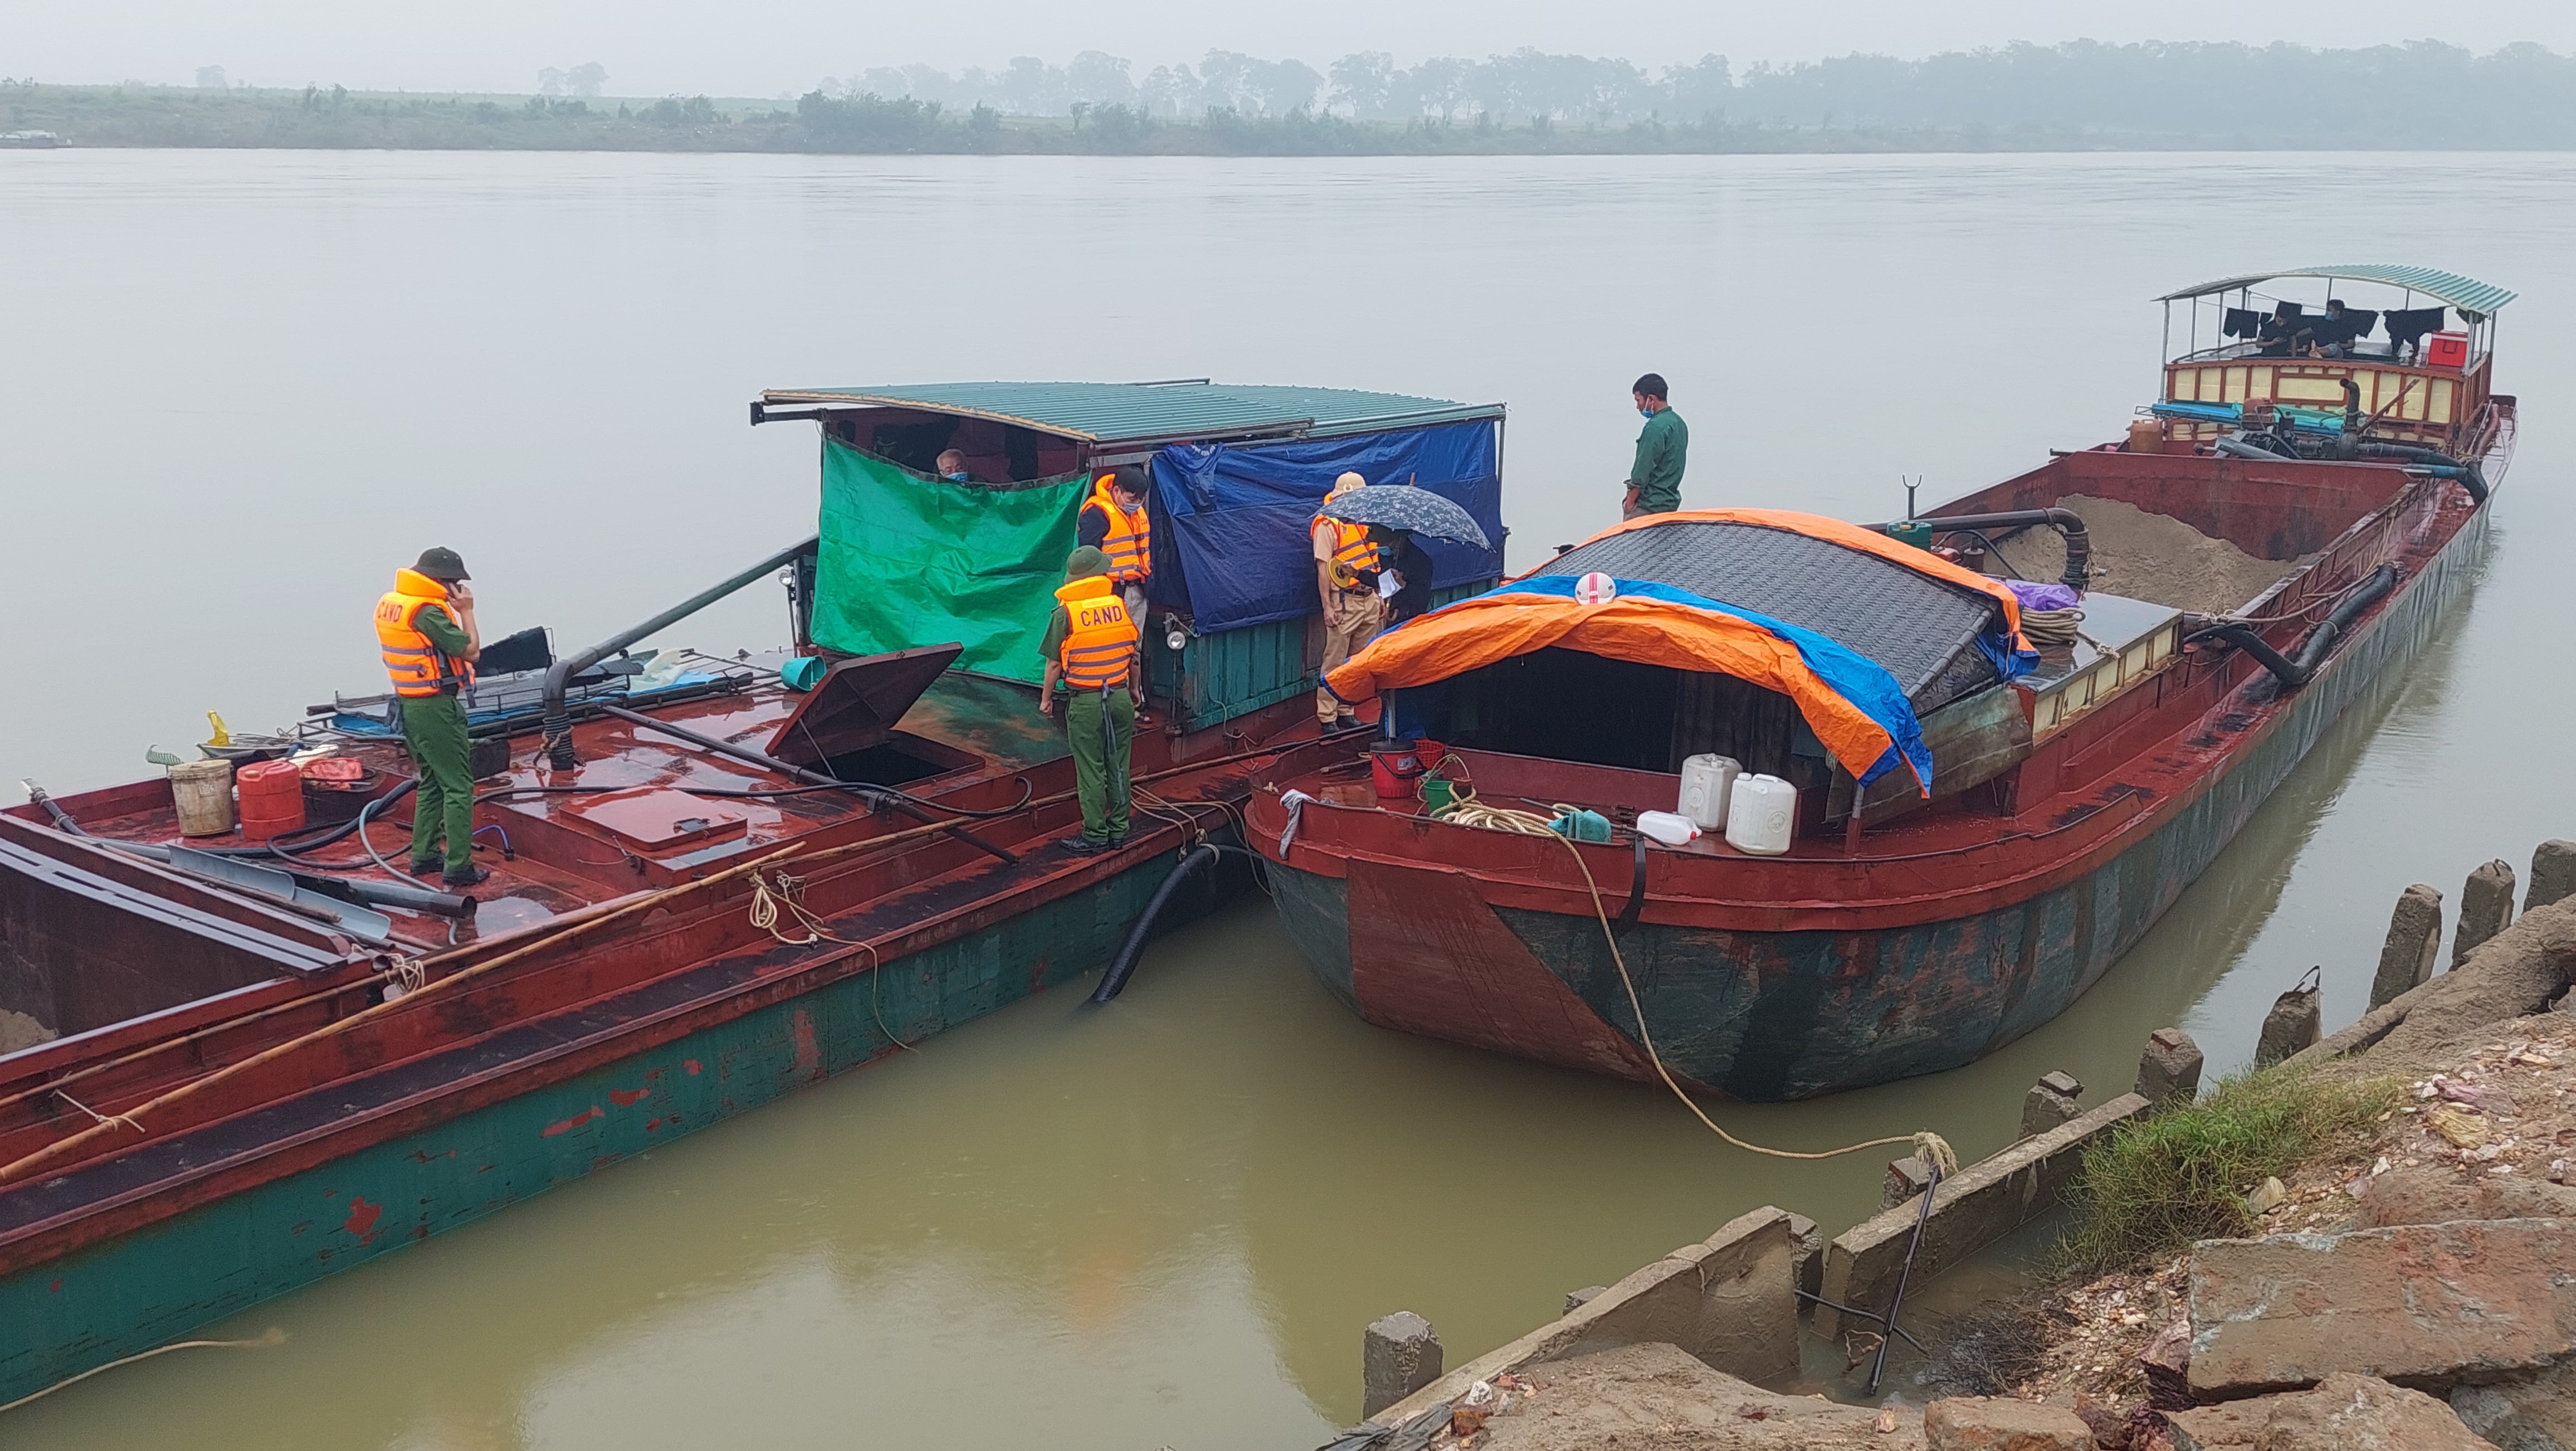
314,119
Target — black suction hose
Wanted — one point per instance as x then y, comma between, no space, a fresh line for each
1114,981
2470,478
2079,545
2296,670
2239,448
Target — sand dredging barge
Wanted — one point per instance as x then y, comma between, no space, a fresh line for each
1969,818
709,885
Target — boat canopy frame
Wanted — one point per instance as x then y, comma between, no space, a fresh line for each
2477,302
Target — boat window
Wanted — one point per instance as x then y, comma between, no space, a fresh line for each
995,452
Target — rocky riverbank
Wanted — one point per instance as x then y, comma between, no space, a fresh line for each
2409,1282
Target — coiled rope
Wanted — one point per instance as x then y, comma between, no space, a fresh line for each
1930,1147
788,893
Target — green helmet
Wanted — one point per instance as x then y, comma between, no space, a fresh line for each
443,565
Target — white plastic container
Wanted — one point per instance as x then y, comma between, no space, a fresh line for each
1667,828
1760,814
1706,781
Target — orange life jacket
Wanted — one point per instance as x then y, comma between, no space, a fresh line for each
1100,650
1352,551
418,667
1130,542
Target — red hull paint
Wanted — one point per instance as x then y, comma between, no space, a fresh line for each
2111,781
648,980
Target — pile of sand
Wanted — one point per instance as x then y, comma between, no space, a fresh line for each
2151,557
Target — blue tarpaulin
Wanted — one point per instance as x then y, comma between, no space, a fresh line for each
1231,532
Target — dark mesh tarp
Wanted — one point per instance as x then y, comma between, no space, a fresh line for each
1231,521
1913,625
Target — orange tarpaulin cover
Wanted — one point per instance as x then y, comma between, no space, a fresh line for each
1497,626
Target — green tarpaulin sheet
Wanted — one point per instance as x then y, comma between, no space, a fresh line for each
908,561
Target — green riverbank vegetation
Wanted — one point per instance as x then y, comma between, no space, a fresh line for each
2083,95
2155,1186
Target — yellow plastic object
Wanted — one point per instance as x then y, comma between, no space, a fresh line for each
221,737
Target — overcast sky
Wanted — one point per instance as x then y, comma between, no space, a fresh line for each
654,47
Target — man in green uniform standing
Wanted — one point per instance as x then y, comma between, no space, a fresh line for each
1090,650
426,629
1655,478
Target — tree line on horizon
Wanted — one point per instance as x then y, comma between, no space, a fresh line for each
2171,89
2083,95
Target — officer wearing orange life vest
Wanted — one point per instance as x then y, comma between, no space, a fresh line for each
1113,520
1346,568
425,626
1090,650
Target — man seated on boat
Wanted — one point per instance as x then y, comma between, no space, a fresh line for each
2336,334
1346,569
952,466
2283,333
1090,650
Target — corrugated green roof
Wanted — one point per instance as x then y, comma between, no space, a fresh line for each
1120,412
2465,293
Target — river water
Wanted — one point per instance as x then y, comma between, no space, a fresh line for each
238,388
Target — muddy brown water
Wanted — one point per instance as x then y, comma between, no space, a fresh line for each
240,387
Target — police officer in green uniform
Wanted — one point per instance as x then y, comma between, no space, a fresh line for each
1090,650
426,629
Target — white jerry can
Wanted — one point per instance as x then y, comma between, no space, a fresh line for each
1760,815
1706,780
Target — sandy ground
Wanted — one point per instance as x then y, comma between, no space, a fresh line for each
2151,557
1655,1396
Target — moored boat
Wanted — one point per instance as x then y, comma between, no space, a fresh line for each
1999,783
714,879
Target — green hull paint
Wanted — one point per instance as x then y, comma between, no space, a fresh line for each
158,1284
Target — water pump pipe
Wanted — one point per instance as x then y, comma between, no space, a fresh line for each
2079,545
2296,670
556,724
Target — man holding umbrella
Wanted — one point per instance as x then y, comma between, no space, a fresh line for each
1346,577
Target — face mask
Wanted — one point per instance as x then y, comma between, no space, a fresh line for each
959,476
1644,412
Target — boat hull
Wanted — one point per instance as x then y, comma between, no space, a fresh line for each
1785,1014
157,1283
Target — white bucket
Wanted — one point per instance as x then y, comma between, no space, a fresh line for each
1706,780
203,792
1761,814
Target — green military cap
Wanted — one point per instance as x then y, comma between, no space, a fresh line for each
1084,562
443,565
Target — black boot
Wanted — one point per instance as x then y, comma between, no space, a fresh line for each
472,876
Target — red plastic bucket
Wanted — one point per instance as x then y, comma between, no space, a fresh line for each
1394,766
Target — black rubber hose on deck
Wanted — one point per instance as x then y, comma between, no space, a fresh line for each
2470,478
1114,981
2296,670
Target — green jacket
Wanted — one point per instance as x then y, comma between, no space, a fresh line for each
1656,474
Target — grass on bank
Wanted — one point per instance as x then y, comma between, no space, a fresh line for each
2156,1185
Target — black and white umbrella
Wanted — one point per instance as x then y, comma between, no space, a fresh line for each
1402,506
